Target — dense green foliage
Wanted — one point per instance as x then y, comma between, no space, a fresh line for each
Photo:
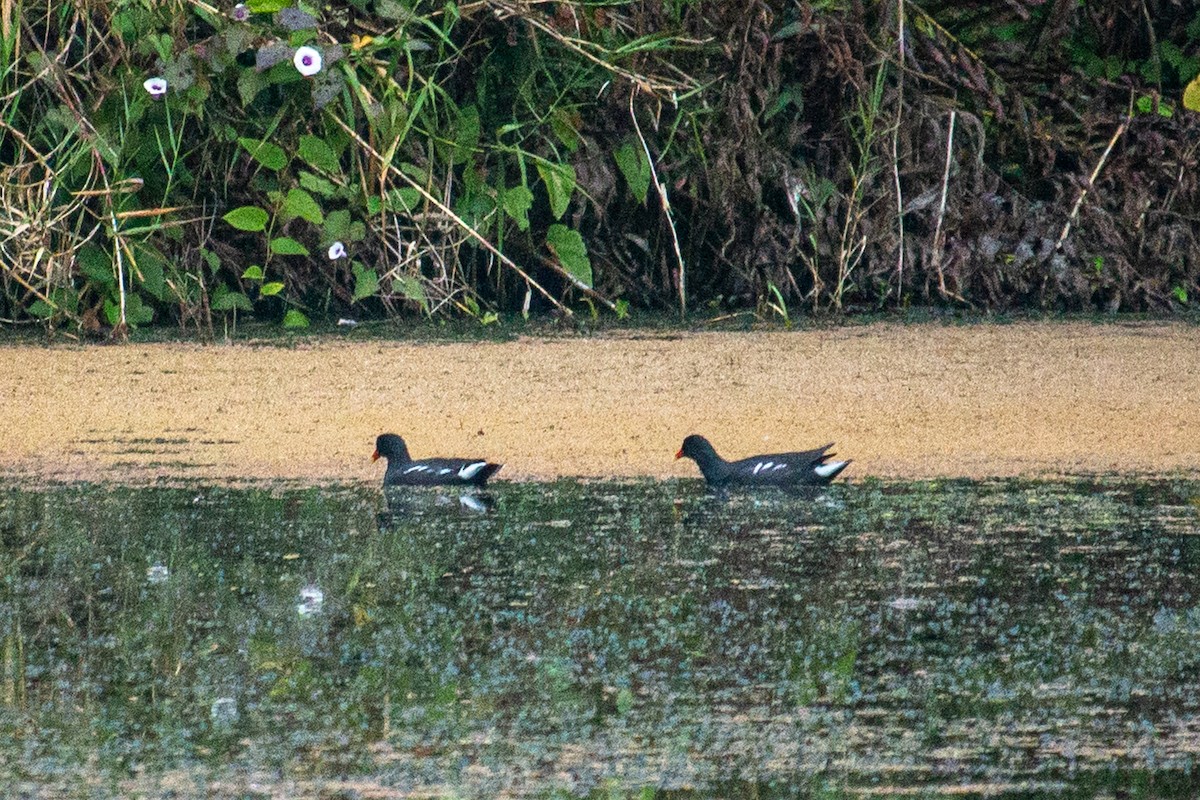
503,156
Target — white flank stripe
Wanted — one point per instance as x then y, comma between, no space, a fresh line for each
781,466
416,468
471,470
825,470
443,471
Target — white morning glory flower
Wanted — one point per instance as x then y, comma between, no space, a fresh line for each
307,60
157,87
337,250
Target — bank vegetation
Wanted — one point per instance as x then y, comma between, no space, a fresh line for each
187,162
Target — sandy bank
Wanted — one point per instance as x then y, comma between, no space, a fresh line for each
921,400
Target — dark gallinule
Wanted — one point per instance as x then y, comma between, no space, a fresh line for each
402,470
807,468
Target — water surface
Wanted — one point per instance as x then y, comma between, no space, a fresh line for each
1013,639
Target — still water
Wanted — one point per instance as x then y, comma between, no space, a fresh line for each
1002,639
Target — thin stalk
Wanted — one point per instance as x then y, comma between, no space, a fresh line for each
938,239
118,258
896,149
661,188
1062,237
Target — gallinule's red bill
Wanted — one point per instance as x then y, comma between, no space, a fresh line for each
806,468
402,470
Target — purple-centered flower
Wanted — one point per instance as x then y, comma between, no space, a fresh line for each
337,250
240,13
157,87
307,60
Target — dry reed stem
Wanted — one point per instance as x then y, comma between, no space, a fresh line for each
1092,180
896,149
664,201
938,236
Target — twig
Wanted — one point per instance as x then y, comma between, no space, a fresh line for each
116,233
896,149
16,276
937,229
661,188
1092,179
491,248
578,284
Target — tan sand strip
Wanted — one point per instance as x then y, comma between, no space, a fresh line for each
916,400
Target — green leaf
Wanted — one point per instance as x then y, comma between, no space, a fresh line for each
247,218
294,319
1008,32
565,125
315,183
64,298
421,176
317,154
330,83
1170,53
300,203
151,268
238,38
393,10
568,245
517,202
112,311
366,282
41,309
631,159
790,94
164,45
269,155
560,185
412,289
95,264
270,289
225,299
467,135
253,273
136,311
405,200
249,83
267,6
294,18
1180,293
337,225
212,259
287,246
